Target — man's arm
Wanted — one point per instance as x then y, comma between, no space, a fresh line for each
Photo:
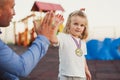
22,65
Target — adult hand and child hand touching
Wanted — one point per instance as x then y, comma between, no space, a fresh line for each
49,25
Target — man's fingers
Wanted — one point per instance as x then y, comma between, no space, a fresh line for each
34,22
45,18
37,25
50,18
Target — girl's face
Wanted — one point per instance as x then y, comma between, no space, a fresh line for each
77,26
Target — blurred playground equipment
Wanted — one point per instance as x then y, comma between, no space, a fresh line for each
108,49
27,35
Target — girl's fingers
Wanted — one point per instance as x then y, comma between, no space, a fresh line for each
59,19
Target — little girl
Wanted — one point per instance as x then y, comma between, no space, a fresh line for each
72,48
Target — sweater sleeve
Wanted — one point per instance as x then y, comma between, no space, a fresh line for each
22,65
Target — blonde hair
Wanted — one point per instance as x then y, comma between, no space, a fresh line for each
81,14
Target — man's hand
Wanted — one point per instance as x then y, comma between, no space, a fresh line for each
49,26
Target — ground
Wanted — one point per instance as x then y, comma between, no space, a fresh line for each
47,68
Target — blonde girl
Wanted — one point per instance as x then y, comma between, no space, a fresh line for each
72,48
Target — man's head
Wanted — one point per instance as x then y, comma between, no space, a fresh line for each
6,12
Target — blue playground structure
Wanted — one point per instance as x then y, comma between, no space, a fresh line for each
108,49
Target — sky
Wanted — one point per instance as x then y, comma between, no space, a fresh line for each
99,12
103,16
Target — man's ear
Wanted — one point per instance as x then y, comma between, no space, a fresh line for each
0,11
